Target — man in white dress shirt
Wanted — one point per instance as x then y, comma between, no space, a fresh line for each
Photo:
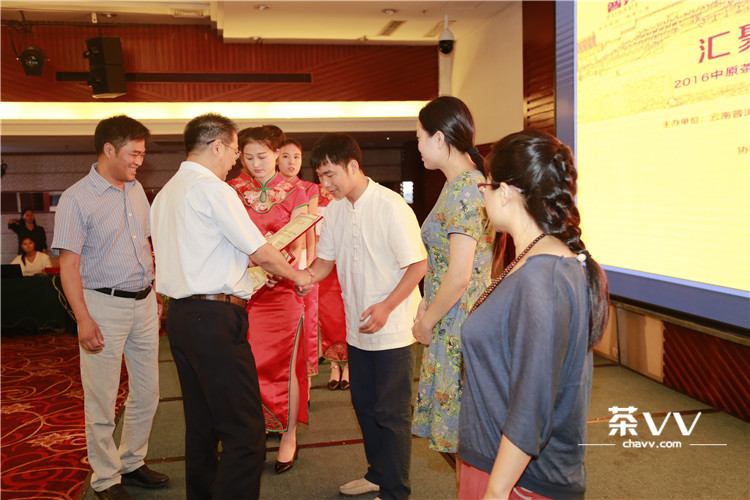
202,238
372,236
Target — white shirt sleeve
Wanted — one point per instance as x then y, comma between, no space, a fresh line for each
405,237
326,246
233,221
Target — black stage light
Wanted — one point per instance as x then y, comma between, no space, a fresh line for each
32,59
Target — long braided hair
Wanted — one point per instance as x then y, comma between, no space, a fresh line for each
543,169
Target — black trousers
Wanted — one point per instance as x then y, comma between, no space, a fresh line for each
381,396
221,399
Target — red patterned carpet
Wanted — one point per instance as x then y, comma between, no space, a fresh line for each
43,444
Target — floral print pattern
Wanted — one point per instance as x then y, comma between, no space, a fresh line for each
459,209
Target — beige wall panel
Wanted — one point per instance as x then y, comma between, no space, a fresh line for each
641,343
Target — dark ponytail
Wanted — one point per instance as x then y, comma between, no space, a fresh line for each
543,169
476,158
452,117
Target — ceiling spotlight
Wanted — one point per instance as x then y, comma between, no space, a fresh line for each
32,59
262,7
389,12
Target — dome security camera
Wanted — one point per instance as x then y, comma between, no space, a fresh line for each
446,46
446,42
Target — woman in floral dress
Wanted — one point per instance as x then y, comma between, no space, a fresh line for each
458,239
275,314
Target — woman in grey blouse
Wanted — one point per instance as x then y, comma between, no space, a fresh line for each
527,342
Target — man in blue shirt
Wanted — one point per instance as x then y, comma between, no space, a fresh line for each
101,232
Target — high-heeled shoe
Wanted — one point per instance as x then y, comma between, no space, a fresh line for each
333,384
344,382
280,467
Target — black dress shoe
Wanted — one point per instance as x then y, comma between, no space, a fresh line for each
114,492
344,385
280,467
333,385
145,477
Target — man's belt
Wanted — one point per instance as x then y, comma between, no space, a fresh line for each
140,294
220,297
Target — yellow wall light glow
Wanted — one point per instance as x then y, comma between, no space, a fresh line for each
44,118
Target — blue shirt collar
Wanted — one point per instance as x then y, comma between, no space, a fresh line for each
101,184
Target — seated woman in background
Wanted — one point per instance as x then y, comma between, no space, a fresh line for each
26,227
32,262
527,342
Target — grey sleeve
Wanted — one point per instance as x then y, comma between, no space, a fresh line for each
538,330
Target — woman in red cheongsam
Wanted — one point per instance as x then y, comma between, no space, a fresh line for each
331,318
275,314
290,162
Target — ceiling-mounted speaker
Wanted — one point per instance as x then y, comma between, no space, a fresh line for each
106,71
107,81
103,50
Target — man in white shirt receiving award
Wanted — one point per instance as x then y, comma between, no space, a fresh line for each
372,236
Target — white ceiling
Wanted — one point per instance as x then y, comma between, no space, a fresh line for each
417,23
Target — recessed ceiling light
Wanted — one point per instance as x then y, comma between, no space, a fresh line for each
109,14
262,7
389,12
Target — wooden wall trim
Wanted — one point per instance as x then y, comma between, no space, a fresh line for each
539,65
336,72
708,368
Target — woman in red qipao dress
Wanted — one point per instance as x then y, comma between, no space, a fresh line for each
275,314
331,317
290,162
